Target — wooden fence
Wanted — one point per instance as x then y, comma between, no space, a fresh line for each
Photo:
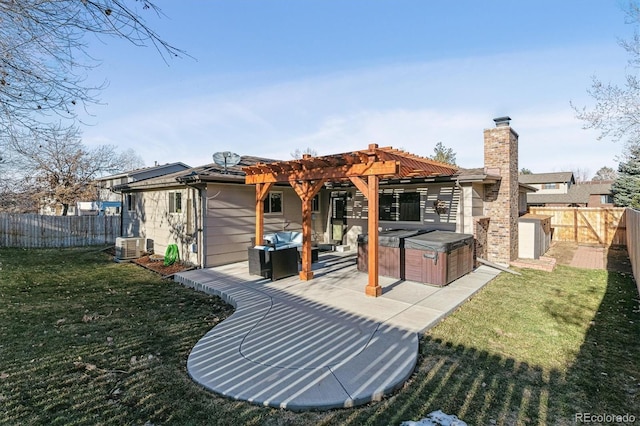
33,230
633,242
587,225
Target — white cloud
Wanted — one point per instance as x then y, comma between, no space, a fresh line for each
410,106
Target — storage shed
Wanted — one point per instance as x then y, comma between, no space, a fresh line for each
534,235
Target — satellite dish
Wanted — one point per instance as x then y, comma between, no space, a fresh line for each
226,159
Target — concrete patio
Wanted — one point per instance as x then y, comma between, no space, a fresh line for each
317,344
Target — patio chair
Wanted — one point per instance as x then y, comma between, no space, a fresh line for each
274,264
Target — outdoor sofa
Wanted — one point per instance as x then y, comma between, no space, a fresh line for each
278,256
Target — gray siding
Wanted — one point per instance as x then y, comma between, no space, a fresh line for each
151,219
230,220
357,210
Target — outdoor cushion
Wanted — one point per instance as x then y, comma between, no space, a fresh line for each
284,239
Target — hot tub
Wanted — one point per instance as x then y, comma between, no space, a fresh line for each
390,251
438,257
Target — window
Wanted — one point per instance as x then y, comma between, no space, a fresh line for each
131,202
175,202
315,203
273,203
551,186
399,207
409,204
385,207
606,199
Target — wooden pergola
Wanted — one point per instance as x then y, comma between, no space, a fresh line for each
363,168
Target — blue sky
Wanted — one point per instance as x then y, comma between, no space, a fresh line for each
271,76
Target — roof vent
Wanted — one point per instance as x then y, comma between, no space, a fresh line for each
502,121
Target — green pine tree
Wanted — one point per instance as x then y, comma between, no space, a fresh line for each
443,154
626,188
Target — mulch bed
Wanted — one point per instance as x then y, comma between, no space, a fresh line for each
158,266
155,265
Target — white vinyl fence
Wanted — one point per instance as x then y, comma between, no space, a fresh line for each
33,230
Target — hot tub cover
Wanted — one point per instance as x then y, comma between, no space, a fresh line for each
441,241
392,238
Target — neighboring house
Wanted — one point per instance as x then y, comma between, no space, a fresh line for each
49,208
548,183
561,190
211,216
208,213
110,202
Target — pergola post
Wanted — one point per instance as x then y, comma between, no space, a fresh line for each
262,190
306,190
373,287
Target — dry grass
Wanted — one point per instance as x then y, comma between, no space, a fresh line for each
88,341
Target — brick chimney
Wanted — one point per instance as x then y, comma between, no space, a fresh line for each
501,198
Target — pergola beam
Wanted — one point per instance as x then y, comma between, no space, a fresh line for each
340,172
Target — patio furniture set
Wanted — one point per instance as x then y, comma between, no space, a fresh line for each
429,257
278,256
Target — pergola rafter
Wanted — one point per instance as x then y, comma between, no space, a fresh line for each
362,168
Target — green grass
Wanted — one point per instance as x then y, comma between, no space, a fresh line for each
84,340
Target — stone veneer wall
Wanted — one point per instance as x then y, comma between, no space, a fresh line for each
501,199
480,231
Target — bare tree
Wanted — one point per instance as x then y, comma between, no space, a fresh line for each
298,153
581,174
605,173
130,160
59,169
616,112
44,58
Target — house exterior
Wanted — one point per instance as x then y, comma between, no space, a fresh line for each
549,183
110,202
211,215
561,190
208,213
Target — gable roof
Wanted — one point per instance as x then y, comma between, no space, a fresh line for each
146,172
556,177
577,194
201,174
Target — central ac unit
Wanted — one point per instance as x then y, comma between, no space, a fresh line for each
129,247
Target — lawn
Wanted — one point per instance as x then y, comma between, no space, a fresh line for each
84,340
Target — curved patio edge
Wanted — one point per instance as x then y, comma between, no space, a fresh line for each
312,357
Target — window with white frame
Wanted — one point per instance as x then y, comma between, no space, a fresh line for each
606,199
273,202
175,202
131,202
315,204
